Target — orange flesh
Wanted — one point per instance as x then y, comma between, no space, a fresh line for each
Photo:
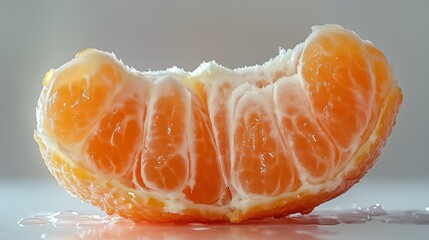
165,168
262,164
208,178
340,86
311,145
113,147
169,137
68,112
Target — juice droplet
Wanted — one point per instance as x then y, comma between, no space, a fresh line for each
68,219
358,215
376,210
32,221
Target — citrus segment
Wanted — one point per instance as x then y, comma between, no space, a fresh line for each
165,163
206,183
261,164
313,150
113,144
340,86
77,89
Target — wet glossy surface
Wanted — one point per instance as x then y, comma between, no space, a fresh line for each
37,210
277,229
328,217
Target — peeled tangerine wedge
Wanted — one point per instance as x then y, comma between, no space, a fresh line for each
219,145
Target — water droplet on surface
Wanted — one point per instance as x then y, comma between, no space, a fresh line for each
359,215
32,221
376,210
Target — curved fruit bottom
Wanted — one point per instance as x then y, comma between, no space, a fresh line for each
130,204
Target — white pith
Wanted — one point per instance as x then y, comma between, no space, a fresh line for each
211,74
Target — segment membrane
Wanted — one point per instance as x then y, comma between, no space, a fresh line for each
311,148
73,93
218,97
165,163
113,144
261,164
340,86
206,180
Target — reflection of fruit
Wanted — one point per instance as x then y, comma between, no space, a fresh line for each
219,144
272,229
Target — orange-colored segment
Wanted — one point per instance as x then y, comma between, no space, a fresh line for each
165,164
112,148
74,92
340,85
262,166
300,131
207,173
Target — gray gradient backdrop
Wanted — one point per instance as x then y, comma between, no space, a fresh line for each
38,35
